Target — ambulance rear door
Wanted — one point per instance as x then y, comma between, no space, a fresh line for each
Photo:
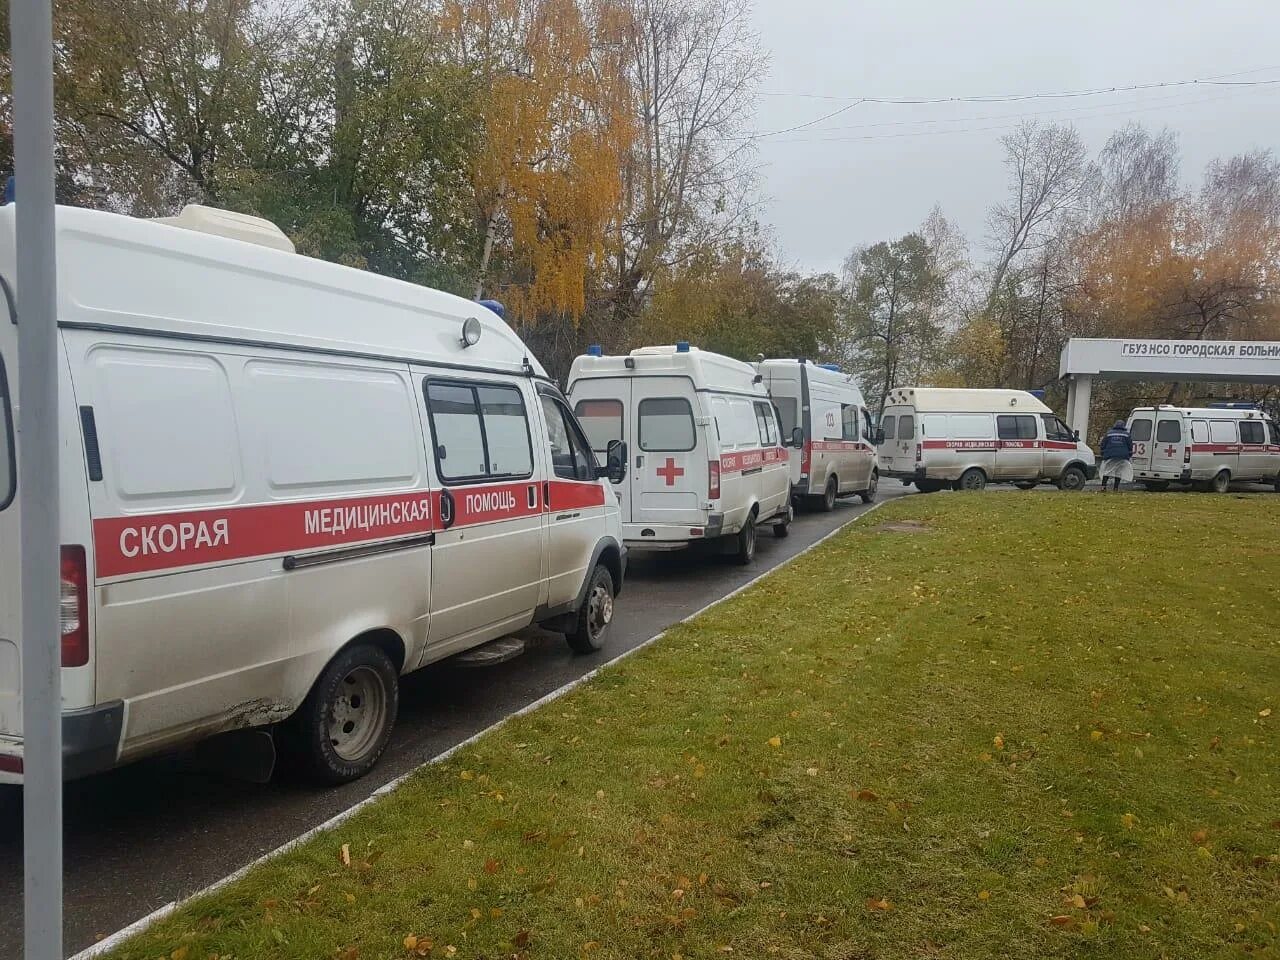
1168,449
1141,431
602,407
670,455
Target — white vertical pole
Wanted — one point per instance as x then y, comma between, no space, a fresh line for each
31,51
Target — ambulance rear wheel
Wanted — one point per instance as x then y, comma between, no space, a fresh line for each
1156,486
972,479
595,614
746,551
783,527
828,501
1277,484
1221,483
343,726
1025,484
1072,479
873,485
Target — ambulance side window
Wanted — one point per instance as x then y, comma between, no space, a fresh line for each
1223,431
1055,429
933,425
1016,427
848,422
1251,432
787,414
1200,431
765,425
888,425
569,458
666,425
1169,431
481,431
1273,432
8,462
868,431
1140,430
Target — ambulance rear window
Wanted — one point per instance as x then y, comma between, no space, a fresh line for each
888,425
1169,431
906,427
666,424
602,421
8,463
1140,431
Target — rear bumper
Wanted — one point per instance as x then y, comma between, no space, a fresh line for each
670,536
912,476
90,743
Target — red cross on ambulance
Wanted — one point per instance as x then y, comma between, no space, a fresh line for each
1170,450
669,471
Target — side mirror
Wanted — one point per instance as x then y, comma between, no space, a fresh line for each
615,467
1075,434
797,437
879,435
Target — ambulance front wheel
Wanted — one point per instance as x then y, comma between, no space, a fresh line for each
972,479
594,616
1073,478
343,726
1221,483
783,527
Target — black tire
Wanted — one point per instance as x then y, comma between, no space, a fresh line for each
591,628
1025,484
1221,483
746,550
1073,479
972,479
341,729
1277,484
929,486
869,494
828,501
783,527
1156,486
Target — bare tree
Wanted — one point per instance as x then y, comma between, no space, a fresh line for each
1046,170
1135,174
696,65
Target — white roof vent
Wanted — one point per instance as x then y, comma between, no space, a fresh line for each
226,223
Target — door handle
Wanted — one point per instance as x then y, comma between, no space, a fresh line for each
446,509
639,460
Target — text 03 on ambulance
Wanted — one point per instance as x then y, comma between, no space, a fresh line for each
285,483
708,461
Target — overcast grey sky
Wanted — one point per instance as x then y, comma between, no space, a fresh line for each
829,187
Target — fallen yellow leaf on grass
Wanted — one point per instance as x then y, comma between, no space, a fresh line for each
1265,713
1077,901
984,894
1062,920
466,775
1129,821
867,796
1095,735
881,904
998,740
775,741
179,954
346,854
1199,837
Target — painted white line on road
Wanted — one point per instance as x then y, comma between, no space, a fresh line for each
114,940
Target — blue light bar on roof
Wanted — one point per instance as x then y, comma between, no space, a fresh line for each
595,350
833,367
495,306
682,346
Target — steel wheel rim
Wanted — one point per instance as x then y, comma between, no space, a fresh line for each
972,482
1222,483
599,611
751,538
357,714
829,495
1072,481
875,483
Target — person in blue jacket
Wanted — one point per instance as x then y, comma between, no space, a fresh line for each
1117,457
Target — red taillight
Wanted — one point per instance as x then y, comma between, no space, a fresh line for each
74,606
713,479
10,764
1186,453
919,453
805,452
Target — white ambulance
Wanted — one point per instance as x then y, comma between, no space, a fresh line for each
936,437
709,461
829,429
284,483
1209,446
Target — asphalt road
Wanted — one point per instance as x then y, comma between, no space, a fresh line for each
160,830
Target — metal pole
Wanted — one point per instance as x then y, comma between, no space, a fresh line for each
31,52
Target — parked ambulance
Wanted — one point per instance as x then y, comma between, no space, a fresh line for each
1211,446
709,461
284,484
834,453
964,439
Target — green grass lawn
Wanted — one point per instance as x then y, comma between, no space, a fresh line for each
1041,725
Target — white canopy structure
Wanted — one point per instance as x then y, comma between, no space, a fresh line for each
1086,359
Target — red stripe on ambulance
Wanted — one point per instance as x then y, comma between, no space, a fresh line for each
161,541
748,459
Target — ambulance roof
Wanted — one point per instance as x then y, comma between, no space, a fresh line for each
1208,413
947,399
708,371
789,369
144,276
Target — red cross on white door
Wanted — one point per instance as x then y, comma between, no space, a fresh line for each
1170,450
669,471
